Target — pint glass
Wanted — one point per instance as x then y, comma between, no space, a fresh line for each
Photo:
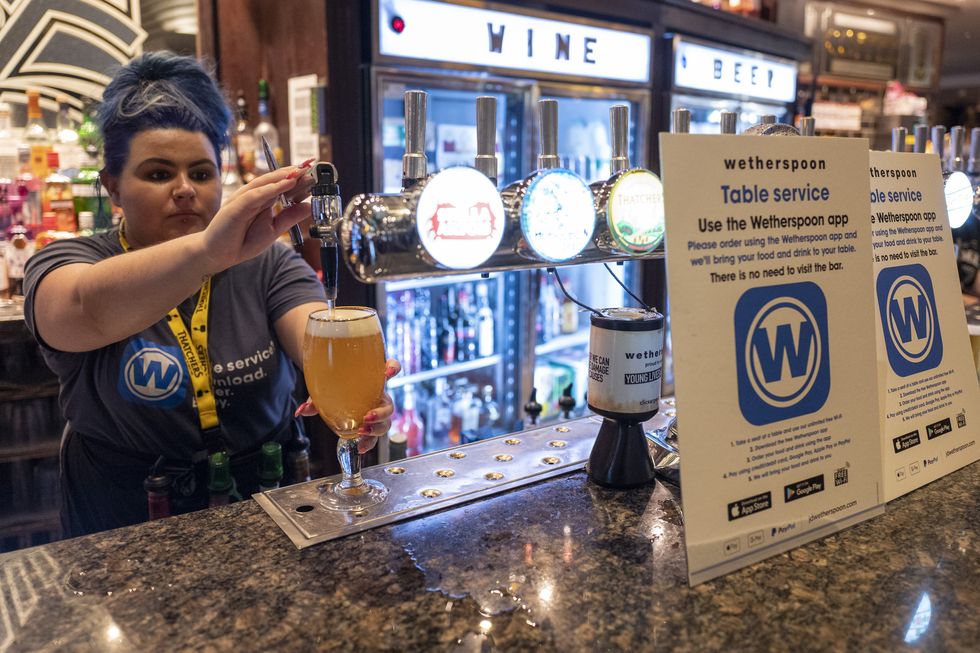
344,366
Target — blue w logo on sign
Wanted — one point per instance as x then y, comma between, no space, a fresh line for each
152,374
909,319
782,356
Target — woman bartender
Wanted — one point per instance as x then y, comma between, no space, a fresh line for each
132,320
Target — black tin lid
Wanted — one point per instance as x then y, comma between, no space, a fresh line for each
628,319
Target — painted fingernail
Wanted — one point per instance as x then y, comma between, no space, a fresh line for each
306,164
303,406
370,417
296,173
390,372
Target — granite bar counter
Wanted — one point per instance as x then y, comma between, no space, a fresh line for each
562,565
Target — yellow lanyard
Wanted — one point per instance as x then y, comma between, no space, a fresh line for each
194,346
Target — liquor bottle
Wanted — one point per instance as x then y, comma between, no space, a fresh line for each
466,335
266,129
88,133
57,196
244,142
270,466
66,140
84,195
471,407
86,223
298,458
8,146
29,190
411,346
36,135
568,318
19,248
550,309
489,413
231,179
429,329
485,321
157,486
447,328
408,427
438,416
219,479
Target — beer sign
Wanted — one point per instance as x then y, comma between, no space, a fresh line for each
460,218
635,212
557,215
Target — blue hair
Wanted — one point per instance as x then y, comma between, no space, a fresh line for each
160,90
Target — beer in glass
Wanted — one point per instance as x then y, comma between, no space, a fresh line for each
344,366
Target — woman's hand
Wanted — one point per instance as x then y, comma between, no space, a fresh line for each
245,226
376,422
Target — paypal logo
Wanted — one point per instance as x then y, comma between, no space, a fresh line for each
152,373
781,349
909,319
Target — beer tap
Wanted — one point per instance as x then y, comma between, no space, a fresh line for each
808,126
415,167
956,185
899,135
325,207
551,212
729,122
680,121
957,135
770,127
939,144
921,135
486,137
629,204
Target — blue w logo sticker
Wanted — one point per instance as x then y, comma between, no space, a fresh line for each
909,319
152,374
782,354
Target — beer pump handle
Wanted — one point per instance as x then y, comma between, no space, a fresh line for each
729,122
957,135
325,205
567,402
921,136
486,137
768,119
532,407
414,164
939,144
808,126
680,122
973,166
898,139
548,158
619,124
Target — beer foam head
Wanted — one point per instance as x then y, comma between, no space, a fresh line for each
343,322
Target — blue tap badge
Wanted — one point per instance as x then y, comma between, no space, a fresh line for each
909,319
782,352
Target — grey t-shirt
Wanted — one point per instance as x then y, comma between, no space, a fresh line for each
136,393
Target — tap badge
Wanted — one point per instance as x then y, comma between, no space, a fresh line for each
909,319
635,212
558,215
781,352
460,218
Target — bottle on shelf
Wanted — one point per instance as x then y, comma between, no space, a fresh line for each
29,190
84,193
57,197
231,179
270,466
485,321
244,141
550,308
489,414
88,132
438,416
568,321
408,428
157,486
465,414
429,332
36,135
466,334
86,223
266,129
66,142
18,249
447,328
8,144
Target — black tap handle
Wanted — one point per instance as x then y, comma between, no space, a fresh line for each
329,262
567,402
532,407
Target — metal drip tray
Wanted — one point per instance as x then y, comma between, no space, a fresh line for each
443,479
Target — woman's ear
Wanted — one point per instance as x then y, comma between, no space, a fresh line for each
111,184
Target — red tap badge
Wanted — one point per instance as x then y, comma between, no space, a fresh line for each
460,218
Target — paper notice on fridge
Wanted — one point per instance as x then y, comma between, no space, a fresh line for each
772,316
304,140
930,396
